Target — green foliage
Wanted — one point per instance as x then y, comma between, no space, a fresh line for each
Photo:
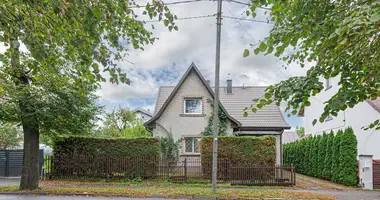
329,157
10,136
340,37
300,131
223,122
314,169
325,156
123,123
335,170
322,154
239,150
101,147
105,157
169,148
348,164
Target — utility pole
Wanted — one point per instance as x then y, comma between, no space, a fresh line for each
216,96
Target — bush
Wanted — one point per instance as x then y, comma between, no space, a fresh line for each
169,149
98,157
329,156
238,151
347,162
336,156
321,154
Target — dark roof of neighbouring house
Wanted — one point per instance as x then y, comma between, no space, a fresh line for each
143,111
269,117
289,136
375,104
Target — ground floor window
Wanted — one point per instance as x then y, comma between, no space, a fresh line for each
191,145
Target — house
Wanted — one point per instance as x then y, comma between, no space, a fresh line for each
361,115
289,136
184,110
142,114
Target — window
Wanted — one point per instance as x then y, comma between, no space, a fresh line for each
193,106
328,118
328,83
191,145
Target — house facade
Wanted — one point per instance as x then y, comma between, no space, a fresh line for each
143,114
183,111
361,115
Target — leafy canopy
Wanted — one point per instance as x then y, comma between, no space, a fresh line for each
10,136
341,37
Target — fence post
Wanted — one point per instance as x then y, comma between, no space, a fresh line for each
291,174
185,167
6,174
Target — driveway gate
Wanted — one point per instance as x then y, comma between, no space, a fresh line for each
11,163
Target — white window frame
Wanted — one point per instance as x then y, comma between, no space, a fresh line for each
193,139
195,98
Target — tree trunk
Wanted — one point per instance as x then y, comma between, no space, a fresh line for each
30,165
30,169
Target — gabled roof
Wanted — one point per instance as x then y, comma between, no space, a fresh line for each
161,105
269,116
143,111
375,104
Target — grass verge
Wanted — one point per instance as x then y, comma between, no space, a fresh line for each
158,183
172,192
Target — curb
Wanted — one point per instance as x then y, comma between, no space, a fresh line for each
129,196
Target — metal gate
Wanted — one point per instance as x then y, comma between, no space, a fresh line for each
376,175
11,163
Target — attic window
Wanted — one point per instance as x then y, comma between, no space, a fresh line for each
192,106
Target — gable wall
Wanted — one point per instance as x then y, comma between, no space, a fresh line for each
181,125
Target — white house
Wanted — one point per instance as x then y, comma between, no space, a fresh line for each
361,115
143,114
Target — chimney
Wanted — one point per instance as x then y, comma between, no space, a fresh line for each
229,84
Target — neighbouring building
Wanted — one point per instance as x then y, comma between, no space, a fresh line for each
289,136
143,114
183,111
361,115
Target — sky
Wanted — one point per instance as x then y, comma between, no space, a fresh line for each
164,62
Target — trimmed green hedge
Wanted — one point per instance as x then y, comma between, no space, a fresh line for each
238,151
327,156
98,157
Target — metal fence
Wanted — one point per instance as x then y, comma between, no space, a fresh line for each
181,170
11,162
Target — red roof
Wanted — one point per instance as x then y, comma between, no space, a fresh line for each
375,104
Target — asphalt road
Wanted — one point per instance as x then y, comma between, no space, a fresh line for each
25,197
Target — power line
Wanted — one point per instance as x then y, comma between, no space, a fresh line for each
172,3
185,18
247,4
252,20
242,26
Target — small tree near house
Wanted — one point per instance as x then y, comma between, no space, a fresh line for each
347,161
329,156
336,155
321,154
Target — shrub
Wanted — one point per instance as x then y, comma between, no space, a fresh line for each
169,149
315,156
329,156
321,154
336,155
238,151
347,162
106,157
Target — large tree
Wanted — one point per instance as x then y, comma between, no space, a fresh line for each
340,37
54,57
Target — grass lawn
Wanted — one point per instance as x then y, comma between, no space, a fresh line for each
160,183
178,192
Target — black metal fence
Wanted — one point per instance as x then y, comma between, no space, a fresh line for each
181,170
